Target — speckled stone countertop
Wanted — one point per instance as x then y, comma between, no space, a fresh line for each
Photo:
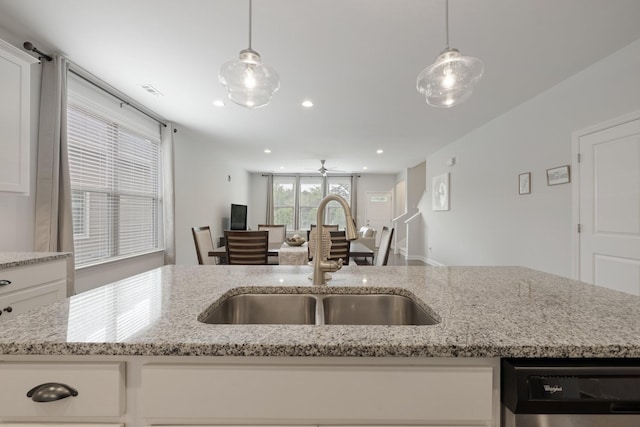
483,312
16,259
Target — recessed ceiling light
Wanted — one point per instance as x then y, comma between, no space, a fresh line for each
281,167
266,150
365,168
380,151
307,103
218,103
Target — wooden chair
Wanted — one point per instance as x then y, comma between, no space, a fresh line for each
204,244
330,227
247,247
385,244
310,246
340,247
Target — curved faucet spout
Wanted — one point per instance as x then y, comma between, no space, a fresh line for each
320,265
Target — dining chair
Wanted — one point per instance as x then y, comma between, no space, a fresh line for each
311,237
247,247
385,244
204,244
330,227
277,232
340,247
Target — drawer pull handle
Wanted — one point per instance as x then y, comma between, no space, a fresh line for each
50,392
4,282
8,309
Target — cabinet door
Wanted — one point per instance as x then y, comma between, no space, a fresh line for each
15,82
30,286
427,395
22,301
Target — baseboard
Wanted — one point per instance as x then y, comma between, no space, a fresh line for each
416,258
434,263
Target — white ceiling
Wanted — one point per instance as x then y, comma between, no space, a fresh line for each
356,59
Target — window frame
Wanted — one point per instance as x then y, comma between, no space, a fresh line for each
325,186
149,193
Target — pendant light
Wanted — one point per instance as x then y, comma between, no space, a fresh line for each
451,78
249,82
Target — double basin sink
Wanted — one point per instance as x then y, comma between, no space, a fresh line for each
319,309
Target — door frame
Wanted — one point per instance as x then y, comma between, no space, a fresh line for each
575,189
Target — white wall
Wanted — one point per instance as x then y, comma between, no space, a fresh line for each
257,209
489,222
416,229
203,191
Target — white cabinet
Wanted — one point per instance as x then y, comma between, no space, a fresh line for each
15,83
319,394
29,286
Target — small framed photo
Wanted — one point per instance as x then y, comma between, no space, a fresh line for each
524,183
559,175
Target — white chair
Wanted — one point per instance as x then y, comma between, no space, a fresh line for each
204,244
385,244
277,232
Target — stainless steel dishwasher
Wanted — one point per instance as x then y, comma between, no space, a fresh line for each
570,392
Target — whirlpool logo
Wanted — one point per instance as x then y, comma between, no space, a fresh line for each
552,388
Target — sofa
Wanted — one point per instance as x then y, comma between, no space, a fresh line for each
367,236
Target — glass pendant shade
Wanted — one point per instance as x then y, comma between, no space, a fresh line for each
249,82
450,79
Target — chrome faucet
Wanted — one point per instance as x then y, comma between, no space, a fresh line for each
320,264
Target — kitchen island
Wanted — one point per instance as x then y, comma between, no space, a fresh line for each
170,368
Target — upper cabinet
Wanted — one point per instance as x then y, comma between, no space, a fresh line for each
15,83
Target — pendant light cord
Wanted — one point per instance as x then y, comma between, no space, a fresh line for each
250,25
446,19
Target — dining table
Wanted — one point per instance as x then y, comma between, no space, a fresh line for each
298,255
287,255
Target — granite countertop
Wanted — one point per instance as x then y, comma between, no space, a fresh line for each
483,312
17,259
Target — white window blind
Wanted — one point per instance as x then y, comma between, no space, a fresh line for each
115,183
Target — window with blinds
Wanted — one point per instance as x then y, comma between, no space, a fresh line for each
115,184
296,199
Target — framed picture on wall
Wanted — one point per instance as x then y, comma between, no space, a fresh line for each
559,175
524,183
440,192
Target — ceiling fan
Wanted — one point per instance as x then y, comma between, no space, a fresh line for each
323,171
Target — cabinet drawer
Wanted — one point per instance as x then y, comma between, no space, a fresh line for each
319,394
100,389
21,301
33,274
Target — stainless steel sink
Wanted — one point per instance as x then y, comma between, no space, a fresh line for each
319,309
374,309
279,309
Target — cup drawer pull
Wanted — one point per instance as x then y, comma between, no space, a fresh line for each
50,392
5,282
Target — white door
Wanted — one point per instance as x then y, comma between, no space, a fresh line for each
610,207
378,211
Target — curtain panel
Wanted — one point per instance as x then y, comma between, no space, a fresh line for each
168,198
53,219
